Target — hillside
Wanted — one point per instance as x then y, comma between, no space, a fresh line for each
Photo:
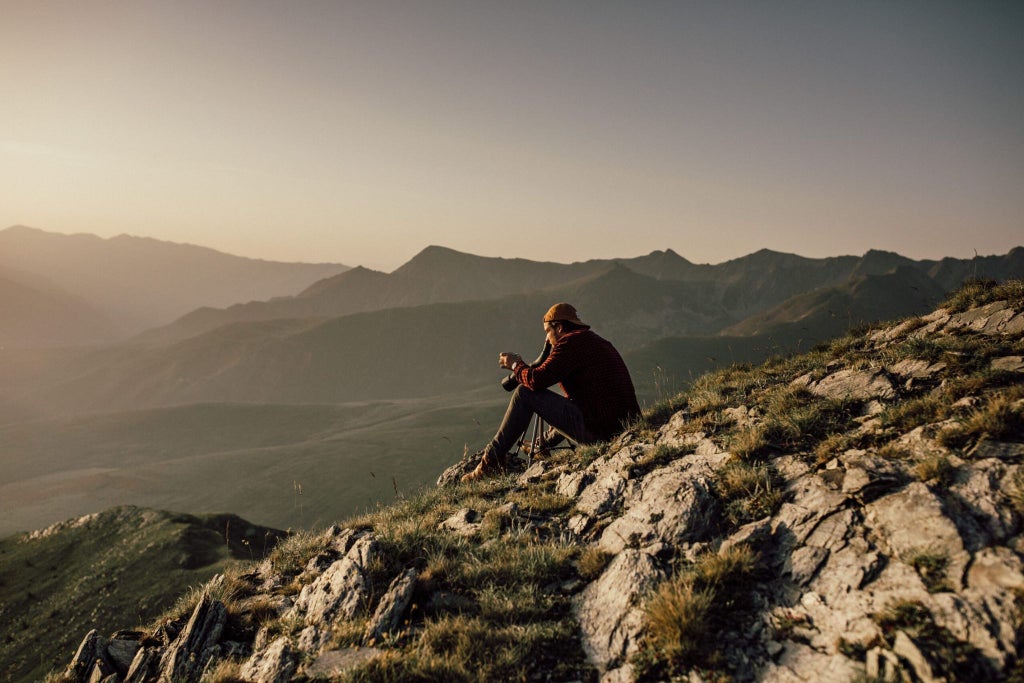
119,568
852,513
34,315
141,282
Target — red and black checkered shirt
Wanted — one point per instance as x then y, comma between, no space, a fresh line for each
593,375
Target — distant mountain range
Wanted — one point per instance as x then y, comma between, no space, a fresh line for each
73,289
435,325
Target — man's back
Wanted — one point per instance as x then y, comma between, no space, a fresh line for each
594,376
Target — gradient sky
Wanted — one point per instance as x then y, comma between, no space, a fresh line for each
361,132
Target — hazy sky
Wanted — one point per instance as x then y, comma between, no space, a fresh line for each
361,132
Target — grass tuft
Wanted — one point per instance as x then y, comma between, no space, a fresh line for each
688,613
748,491
936,469
932,566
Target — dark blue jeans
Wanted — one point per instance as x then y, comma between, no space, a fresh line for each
556,410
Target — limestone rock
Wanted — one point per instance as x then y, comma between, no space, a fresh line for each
1008,364
912,520
854,384
452,475
672,504
465,522
912,368
146,665
85,657
980,493
905,648
609,611
533,473
990,319
606,481
391,607
276,664
196,644
801,663
338,593
336,663
122,648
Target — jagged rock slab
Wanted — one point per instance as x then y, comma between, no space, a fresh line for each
391,607
854,385
339,593
672,504
275,664
196,644
333,663
610,614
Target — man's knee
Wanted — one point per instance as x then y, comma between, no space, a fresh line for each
521,394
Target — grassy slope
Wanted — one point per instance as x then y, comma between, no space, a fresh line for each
117,569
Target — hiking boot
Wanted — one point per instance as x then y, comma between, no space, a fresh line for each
489,466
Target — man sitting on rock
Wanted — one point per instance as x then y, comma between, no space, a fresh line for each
599,396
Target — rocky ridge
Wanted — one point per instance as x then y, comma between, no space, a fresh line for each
853,513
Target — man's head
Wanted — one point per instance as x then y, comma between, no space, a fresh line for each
561,319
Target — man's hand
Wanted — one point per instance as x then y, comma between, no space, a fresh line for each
507,359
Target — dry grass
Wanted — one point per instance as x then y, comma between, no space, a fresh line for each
981,291
932,566
226,671
748,491
1000,418
592,562
688,613
936,469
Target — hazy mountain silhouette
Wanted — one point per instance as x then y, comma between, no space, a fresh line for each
35,313
725,293
141,282
435,275
830,311
442,348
